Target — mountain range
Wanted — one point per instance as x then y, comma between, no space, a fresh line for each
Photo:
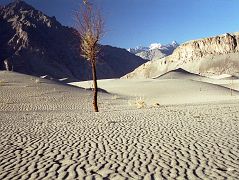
207,57
155,51
36,44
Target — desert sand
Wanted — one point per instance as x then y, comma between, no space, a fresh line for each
173,88
48,130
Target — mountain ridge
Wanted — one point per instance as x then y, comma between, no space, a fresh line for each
154,51
208,56
36,44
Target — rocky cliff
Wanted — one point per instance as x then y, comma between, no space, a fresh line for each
224,44
214,55
34,43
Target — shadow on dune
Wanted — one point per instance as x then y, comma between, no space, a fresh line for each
178,74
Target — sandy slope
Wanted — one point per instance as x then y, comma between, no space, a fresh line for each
171,88
224,80
49,133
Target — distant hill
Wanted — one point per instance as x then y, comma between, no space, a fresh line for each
36,44
208,56
155,51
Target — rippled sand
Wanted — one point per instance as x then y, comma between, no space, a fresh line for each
48,131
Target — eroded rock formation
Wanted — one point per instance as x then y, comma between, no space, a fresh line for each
218,45
214,55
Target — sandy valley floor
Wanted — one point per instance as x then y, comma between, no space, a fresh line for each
48,131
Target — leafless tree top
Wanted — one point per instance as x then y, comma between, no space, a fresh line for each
90,27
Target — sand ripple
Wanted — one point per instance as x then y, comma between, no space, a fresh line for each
164,143
48,133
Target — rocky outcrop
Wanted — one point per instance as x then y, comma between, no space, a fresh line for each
214,55
219,45
36,44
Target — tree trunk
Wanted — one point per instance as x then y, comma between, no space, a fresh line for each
95,88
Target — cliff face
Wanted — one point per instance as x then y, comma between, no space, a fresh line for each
225,44
214,55
34,43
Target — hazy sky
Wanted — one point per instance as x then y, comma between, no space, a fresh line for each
140,22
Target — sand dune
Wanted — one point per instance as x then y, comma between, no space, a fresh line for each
176,87
179,74
48,131
224,80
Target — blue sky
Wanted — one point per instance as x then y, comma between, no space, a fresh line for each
130,23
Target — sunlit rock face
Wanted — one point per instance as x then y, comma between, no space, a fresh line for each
208,56
218,45
34,43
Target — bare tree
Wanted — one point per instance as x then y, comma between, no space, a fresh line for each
90,27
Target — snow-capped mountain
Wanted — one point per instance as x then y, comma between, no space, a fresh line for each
138,49
154,51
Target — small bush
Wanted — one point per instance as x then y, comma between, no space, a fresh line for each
2,82
37,81
139,102
115,97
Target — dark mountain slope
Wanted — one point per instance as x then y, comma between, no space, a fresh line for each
36,44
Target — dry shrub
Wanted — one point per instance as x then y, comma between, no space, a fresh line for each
115,97
139,102
37,81
2,82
